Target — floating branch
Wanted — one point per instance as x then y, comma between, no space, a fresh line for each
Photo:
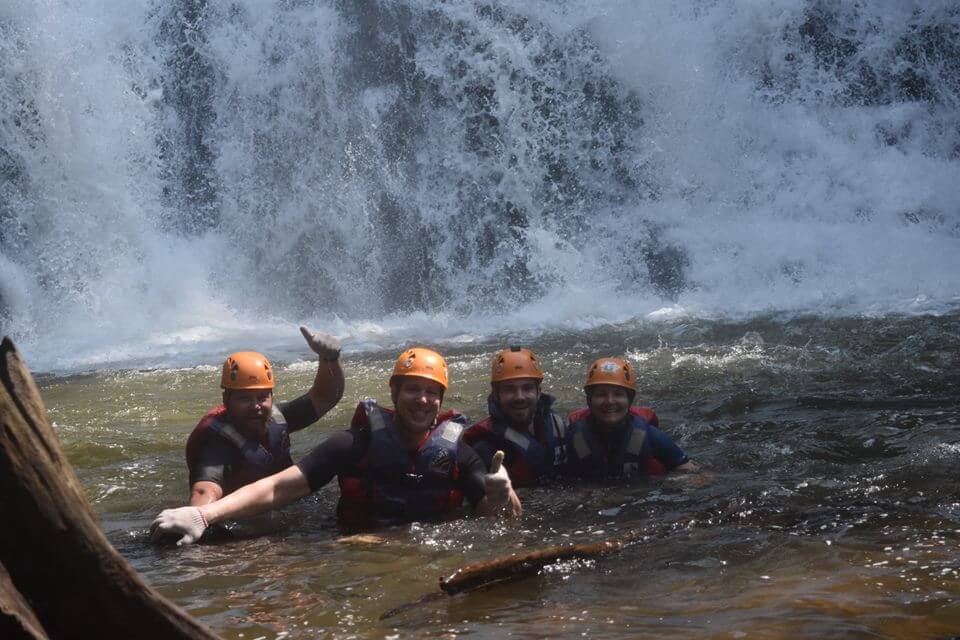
480,574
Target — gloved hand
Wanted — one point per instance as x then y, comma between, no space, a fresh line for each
498,488
497,483
186,520
325,346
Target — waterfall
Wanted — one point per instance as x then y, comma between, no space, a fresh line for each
178,176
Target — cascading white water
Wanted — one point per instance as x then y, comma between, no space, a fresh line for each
178,178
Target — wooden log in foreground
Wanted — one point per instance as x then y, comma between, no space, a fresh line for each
480,574
17,619
61,567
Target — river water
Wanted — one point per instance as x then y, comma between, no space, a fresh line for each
829,508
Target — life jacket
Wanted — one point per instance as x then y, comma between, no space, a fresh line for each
631,455
529,458
260,459
390,484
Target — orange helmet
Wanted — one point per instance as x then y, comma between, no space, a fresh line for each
513,363
421,362
615,371
247,370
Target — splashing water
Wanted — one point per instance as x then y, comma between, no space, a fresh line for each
180,176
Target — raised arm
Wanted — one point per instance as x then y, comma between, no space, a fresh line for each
328,385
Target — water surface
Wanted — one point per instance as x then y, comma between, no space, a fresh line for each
831,507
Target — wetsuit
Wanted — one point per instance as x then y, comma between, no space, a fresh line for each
212,457
382,482
529,459
635,448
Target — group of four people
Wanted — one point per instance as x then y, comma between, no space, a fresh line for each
411,462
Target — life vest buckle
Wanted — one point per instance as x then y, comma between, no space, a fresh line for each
411,480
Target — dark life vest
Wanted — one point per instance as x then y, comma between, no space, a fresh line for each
258,461
630,455
390,484
530,459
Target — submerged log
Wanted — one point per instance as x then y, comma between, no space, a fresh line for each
481,574
61,566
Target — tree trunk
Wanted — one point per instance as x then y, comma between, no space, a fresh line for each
58,559
17,619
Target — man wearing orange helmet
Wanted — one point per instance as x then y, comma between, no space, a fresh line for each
612,439
521,422
248,436
408,463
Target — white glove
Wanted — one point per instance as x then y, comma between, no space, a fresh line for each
497,483
186,520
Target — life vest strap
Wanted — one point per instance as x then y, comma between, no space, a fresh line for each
558,427
375,418
451,430
580,445
522,440
228,431
638,436
277,416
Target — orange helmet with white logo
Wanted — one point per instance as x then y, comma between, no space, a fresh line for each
420,362
514,363
615,371
247,370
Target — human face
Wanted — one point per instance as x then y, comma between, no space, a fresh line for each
518,400
249,410
609,405
417,401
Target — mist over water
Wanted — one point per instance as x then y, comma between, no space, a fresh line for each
178,178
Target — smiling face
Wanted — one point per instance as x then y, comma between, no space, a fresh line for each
518,400
417,402
609,405
249,410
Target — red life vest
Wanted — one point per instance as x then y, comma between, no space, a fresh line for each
390,484
528,459
259,459
631,455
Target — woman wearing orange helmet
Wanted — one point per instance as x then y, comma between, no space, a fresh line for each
248,436
393,465
612,439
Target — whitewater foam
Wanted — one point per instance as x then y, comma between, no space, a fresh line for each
178,182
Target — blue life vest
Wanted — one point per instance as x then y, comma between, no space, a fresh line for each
528,459
391,484
631,454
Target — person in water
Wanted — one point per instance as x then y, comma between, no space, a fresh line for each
408,463
248,436
611,439
521,422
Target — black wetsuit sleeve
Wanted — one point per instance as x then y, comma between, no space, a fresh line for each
472,470
299,412
333,456
214,460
